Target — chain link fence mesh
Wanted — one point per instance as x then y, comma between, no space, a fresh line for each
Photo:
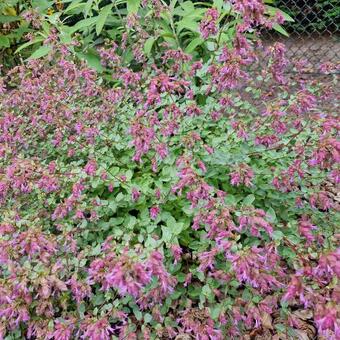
314,36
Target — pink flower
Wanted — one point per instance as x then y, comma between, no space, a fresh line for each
235,178
96,329
242,175
208,25
329,67
158,194
48,184
257,267
201,165
166,282
176,251
305,229
79,289
63,330
162,150
325,318
52,167
255,221
328,266
154,211
199,323
135,194
188,279
156,267
296,289
335,176
267,140
252,10
143,137
320,200
207,259
91,168
128,276
278,61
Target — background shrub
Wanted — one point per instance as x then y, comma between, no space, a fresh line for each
26,25
312,16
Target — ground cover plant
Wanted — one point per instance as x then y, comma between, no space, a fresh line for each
172,195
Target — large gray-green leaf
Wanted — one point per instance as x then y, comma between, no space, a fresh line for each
104,13
132,6
41,52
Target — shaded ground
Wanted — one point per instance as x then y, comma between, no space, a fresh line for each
315,49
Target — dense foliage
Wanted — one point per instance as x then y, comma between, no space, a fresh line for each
180,196
25,26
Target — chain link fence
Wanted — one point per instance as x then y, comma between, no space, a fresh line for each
314,35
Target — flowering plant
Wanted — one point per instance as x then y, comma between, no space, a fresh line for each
185,198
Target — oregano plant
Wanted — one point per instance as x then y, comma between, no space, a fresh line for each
178,197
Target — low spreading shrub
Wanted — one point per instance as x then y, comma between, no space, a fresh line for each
179,199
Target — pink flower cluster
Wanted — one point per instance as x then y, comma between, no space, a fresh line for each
208,26
131,277
242,175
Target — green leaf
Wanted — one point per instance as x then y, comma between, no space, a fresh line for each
65,38
4,19
130,221
181,277
128,175
286,252
42,4
190,25
188,6
81,309
176,228
41,52
206,290
247,295
138,313
88,7
93,60
148,45
211,46
29,43
281,327
119,197
74,5
273,10
132,6
4,41
98,299
104,13
166,234
147,318
248,200
280,29
271,215
215,311
218,4
193,44
85,23
96,250
278,235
